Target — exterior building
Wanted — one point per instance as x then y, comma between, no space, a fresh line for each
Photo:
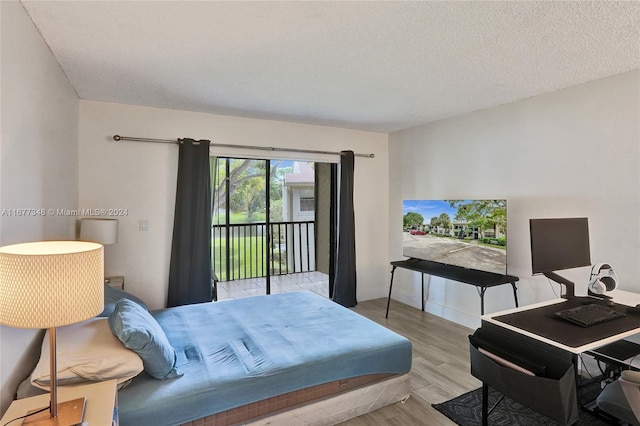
298,207
298,202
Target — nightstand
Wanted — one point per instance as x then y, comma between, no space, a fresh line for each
115,281
99,409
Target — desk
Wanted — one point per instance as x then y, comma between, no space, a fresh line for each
481,279
617,356
592,337
536,328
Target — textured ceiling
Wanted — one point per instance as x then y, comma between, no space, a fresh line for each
380,66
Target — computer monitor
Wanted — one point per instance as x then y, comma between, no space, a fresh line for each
558,244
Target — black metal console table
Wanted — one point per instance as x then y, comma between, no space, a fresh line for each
481,279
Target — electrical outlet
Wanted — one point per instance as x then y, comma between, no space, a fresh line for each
143,225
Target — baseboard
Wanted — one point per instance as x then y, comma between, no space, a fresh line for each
453,315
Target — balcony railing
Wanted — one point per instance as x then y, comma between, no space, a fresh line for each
240,251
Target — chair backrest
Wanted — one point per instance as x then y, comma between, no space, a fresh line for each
630,381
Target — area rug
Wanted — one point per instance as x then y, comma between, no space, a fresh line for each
466,410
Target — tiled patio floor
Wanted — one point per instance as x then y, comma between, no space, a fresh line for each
313,281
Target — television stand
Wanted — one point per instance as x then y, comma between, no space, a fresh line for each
481,279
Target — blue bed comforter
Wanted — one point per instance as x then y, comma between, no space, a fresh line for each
241,351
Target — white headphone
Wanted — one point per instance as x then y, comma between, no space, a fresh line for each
603,278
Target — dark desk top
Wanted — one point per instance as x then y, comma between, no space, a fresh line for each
455,273
543,322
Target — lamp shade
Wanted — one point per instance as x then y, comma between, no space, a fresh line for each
103,231
51,283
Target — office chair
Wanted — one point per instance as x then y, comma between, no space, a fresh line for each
621,398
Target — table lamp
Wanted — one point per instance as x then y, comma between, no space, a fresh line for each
103,231
50,284
98,230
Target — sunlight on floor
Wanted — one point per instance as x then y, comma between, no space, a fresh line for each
313,281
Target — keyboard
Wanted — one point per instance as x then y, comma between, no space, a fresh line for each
591,314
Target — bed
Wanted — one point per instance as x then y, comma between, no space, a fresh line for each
292,358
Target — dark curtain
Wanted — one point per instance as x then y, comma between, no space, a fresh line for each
333,228
213,182
190,267
344,289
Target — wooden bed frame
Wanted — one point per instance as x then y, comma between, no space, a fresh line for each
325,404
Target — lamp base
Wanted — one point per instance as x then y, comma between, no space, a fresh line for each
70,413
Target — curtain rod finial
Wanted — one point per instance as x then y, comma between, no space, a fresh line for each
116,137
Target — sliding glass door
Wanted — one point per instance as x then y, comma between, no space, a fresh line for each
239,218
264,224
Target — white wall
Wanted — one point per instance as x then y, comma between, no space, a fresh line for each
39,133
39,161
140,177
574,152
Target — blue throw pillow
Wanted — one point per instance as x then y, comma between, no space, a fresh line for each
140,332
112,295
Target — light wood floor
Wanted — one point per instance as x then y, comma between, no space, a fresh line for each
440,369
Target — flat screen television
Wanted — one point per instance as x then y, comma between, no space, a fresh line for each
558,244
468,233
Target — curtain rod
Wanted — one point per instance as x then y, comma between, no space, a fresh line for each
263,148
